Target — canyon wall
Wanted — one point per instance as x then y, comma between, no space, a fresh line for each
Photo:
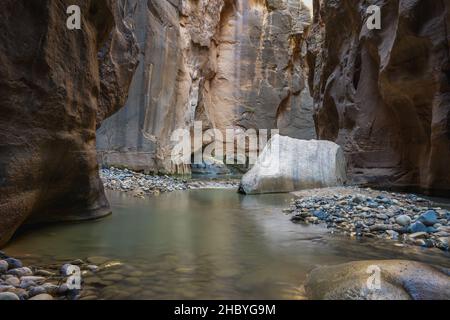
228,63
56,86
384,95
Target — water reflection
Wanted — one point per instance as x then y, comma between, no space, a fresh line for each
202,244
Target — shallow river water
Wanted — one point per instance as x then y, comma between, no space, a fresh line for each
202,244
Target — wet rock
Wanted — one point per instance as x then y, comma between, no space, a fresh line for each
139,184
25,284
432,230
67,269
429,218
320,214
63,289
338,209
14,263
400,280
92,268
3,266
380,227
21,293
417,227
392,234
403,220
5,287
443,243
35,291
20,272
12,281
51,288
8,296
418,235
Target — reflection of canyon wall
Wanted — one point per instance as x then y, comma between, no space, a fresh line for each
55,86
228,63
385,95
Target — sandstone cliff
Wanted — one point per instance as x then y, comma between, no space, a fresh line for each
229,63
56,85
384,94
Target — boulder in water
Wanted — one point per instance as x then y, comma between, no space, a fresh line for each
288,164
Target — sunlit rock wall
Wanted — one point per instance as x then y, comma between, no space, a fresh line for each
230,64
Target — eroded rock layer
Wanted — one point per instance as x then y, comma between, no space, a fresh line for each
384,95
56,86
228,63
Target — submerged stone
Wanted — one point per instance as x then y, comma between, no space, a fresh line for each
400,280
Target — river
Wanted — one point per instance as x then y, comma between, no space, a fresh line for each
202,244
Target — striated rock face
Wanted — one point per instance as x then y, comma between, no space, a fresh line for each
384,95
228,63
56,86
288,164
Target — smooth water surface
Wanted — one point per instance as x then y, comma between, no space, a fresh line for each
202,244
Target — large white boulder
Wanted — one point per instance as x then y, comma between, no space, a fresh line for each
288,164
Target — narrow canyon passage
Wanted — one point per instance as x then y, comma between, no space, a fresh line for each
224,149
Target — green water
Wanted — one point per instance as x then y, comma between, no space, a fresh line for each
202,244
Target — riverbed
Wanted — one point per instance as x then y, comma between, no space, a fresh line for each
202,244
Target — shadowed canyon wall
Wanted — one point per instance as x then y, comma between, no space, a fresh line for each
228,63
384,95
56,86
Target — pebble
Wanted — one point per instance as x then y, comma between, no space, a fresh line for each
13,281
417,227
418,235
429,218
3,266
403,220
21,293
369,213
392,234
67,269
14,263
8,296
27,284
35,291
92,268
139,184
20,272
443,243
